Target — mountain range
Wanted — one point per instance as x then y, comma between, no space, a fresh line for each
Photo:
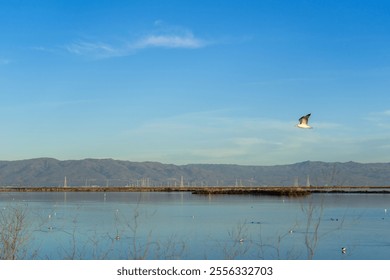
110,172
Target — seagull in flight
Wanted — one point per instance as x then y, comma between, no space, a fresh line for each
304,122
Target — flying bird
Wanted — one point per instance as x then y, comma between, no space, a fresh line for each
304,122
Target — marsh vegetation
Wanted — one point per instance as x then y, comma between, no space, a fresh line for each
160,226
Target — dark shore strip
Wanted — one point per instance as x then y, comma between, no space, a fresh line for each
277,191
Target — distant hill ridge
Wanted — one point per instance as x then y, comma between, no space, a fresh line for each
110,172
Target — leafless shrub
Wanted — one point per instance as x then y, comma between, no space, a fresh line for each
14,236
239,242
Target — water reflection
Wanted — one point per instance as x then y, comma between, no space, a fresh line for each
185,226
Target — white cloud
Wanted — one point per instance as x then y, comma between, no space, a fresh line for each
169,38
379,119
380,114
98,50
169,41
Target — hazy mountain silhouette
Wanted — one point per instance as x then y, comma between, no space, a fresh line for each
109,172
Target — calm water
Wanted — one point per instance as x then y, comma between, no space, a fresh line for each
186,226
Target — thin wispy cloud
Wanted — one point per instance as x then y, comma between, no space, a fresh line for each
168,39
95,49
378,116
379,119
168,36
188,41
386,113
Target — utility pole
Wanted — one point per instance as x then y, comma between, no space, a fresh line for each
296,182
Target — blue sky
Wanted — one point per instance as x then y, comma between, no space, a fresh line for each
195,81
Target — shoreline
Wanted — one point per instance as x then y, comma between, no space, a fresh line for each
275,190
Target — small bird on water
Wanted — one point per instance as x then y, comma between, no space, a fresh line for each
343,250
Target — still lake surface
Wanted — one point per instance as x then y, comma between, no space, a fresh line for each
160,225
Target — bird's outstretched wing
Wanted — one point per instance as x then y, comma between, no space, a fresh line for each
304,119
